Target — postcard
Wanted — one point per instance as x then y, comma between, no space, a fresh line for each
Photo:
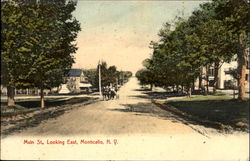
125,80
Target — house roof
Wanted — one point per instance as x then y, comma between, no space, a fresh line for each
74,73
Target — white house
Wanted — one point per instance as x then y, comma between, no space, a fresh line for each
75,82
225,80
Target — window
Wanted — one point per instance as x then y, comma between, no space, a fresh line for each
247,77
211,72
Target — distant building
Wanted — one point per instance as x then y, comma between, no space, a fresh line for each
225,80
75,82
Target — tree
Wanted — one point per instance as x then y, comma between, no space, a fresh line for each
214,37
187,45
171,61
236,15
56,29
44,51
91,76
109,75
145,77
14,58
112,75
215,45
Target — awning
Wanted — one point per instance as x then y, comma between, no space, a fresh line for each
85,85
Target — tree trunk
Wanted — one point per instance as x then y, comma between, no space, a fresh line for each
234,93
242,60
151,87
200,79
42,98
11,94
216,73
207,79
193,85
173,88
189,91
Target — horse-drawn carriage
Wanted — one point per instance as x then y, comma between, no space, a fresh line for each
109,93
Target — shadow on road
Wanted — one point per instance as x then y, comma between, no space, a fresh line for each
142,89
147,109
147,94
157,95
140,96
152,110
163,95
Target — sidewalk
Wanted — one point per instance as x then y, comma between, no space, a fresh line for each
64,97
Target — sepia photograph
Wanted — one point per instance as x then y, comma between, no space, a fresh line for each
125,79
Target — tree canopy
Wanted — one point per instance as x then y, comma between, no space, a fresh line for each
109,75
209,37
37,40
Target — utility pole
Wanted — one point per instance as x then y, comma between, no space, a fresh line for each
100,79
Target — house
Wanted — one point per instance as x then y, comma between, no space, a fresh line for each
75,82
225,79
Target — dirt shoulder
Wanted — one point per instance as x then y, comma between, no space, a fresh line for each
17,118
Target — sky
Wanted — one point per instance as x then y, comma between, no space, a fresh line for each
119,32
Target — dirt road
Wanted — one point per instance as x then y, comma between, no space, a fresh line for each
141,135
111,118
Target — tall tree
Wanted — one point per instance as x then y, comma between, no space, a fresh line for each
200,41
44,43
217,45
236,15
15,59
55,29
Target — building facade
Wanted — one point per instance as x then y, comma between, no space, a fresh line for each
75,82
225,79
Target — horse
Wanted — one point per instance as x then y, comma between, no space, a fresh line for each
105,94
112,94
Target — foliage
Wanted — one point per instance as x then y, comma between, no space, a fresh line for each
145,76
90,75
109,75
55,46
234,73
236,16
37,42
206,38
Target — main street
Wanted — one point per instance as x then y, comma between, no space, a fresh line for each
111,118
139,135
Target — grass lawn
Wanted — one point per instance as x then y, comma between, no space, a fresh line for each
218,108
27,105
